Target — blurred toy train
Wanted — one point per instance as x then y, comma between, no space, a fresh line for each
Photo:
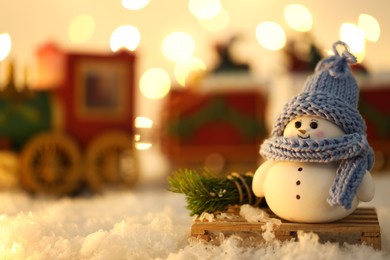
78,134
374,106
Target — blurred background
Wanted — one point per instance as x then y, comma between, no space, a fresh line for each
193,83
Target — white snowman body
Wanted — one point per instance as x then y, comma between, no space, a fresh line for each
298,191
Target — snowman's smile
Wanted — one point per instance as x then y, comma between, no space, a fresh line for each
303,137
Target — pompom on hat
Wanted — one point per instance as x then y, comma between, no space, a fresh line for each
330,93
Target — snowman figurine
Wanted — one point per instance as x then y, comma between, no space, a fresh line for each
317,159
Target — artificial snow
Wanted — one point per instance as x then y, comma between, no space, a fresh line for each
148,223
252,214
205,216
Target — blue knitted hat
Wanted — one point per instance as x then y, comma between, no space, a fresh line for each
332,94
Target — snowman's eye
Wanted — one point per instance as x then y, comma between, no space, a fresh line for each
298,124
313,125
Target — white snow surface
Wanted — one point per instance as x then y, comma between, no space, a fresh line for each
148,223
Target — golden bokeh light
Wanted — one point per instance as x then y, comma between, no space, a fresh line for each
204,9
271,36
134,4
298,17
155,83
5,45
125,36
370,26
81,29
353,36
143,122
184,69
178,46
142,146
143,136
217,23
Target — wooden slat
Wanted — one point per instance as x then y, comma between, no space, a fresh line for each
363,222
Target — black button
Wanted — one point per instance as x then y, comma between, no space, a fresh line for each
298,197
298,182
300,169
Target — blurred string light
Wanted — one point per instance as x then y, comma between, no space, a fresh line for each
217,23
184,69
178,46
298,17
125,36
155,83
142,139
134,4
271,36
81,29
353,36
141,145
370,26
5,45
143,122
204,9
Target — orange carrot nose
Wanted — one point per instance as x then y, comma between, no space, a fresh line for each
302,131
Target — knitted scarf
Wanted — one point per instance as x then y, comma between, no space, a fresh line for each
352,151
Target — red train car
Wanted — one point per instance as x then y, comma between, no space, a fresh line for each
220,131
374,106
91,137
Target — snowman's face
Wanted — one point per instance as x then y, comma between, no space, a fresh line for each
310,127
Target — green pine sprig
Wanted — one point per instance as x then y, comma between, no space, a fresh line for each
207,193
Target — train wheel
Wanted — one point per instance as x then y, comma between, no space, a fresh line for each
50,163
111,161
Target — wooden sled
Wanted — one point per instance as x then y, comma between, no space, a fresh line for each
361,227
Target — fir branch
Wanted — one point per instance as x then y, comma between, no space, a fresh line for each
206,193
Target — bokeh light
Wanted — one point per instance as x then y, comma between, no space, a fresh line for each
271,36
370,26
134,4
204,9
143,122
81,29
125,36
184,69
143,125
142,146
5,45
178,46
353,36
298,17
155,83
142,139
217,23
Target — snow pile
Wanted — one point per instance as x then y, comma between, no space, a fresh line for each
307,247
209,217
147,224
252,214
135,225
